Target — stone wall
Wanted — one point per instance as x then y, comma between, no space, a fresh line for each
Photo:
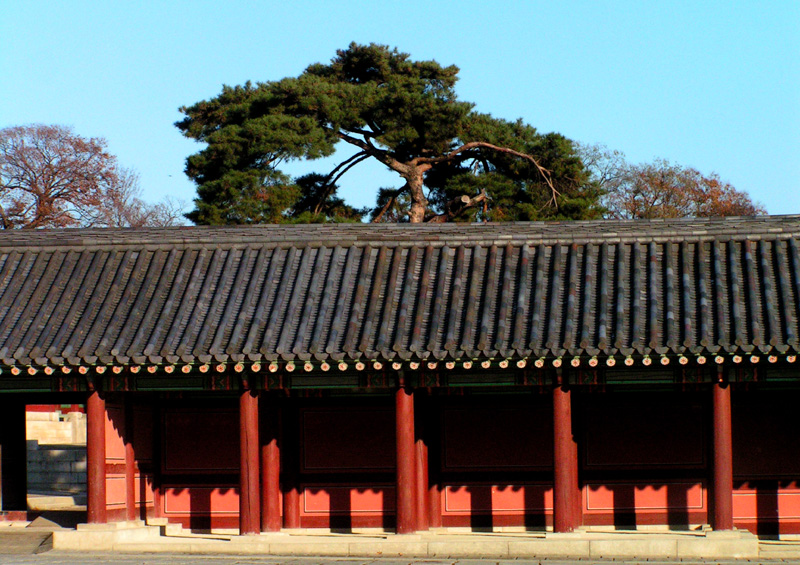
56,468
56,428
56,452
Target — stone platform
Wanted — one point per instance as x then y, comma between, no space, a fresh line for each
136,537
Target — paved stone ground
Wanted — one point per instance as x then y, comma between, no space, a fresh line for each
64,558
24,542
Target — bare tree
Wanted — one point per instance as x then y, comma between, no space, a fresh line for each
125,208
52,177
661,189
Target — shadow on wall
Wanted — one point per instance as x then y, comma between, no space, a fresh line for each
626,506
348,506
200,505
483,499
760,504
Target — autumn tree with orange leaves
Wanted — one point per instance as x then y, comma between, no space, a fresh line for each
52,177
661,189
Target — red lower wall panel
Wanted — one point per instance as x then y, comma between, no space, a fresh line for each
628,504
484,505
115,434
347,506
145,495
202,507
768,508
621,504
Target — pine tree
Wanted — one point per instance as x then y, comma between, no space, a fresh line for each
454,163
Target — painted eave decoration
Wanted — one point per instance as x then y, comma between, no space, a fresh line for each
327,298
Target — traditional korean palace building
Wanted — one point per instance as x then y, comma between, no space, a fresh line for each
410,377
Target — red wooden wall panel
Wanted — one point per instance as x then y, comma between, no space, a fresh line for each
629,504
767,504
348,499
766,443
767,508
644,497
497,499
658,440
144,487
143,433
202,507
497,438
201,440
115,433
347,440
201,499
644,433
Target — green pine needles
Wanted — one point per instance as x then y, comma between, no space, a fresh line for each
453,164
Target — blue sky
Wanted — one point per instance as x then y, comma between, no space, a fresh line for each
712,85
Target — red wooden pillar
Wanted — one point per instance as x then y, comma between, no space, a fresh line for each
565,485
249,506
434,506
421,506
96,458
406,464
723,456
270,465
130,464
291,507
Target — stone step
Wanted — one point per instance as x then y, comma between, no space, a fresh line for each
719,546
773,555
779,550
56,501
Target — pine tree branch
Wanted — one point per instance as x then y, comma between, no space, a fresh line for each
348,164
457,206
378,154
389,203
336,174
456,153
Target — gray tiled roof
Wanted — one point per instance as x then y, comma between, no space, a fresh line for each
402,292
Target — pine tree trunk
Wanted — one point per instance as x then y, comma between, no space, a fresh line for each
419,204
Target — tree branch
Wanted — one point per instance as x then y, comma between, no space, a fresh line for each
392,200
378,154
365,133
545,173
347,164
338,171
457,206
